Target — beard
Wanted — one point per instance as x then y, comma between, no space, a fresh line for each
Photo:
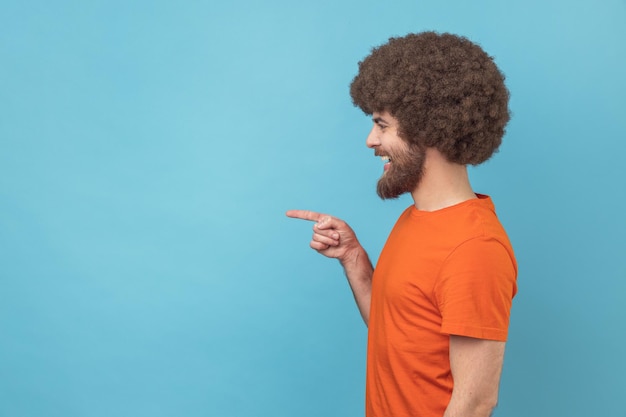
404,173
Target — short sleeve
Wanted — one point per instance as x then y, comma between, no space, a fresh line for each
475,290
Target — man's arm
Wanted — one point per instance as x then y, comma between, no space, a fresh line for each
476,366
359,271
333,238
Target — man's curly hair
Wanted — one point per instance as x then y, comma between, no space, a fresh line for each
444,90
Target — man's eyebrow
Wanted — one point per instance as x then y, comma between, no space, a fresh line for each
379,120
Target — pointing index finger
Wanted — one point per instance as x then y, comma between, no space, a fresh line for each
304,215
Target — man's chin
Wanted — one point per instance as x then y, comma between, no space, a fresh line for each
387,192
403,177
388,198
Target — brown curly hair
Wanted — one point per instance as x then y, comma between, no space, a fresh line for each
444,90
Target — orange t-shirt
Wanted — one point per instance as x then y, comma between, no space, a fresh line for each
450,271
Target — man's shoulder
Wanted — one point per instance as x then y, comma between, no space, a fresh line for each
450,227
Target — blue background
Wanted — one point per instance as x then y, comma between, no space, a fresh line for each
149,150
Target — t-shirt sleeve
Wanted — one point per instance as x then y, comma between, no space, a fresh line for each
475,290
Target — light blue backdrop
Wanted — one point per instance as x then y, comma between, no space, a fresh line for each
149,150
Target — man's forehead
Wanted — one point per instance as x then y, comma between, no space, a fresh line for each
383,116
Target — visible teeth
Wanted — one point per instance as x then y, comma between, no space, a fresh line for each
385,158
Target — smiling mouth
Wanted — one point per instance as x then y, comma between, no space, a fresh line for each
387,161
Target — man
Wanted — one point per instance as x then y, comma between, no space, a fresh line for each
437,305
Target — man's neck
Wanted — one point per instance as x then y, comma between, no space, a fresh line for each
444,184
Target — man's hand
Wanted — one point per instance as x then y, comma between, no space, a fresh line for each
335,239
332,237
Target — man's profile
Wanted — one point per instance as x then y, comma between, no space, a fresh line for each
437,304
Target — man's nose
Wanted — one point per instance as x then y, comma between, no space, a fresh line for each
372,139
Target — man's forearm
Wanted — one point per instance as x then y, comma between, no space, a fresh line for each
359,270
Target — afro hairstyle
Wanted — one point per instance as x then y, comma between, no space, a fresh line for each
443,89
